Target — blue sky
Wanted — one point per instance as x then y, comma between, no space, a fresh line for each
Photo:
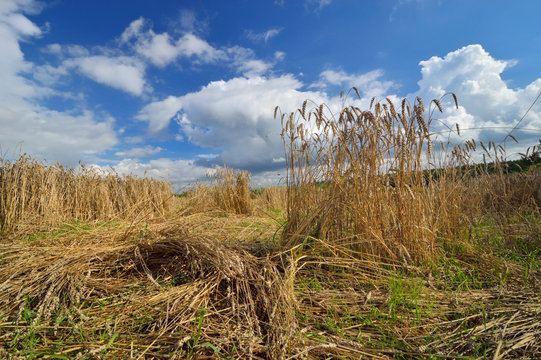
172,89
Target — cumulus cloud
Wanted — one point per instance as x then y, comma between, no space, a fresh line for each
55,49
488,106
49,75
231,119
234,117
125,73
245,61
26,124
253,67
30,7
191,45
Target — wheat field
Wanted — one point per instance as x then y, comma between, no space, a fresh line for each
385,242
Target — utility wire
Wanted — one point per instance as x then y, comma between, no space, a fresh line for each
522,118
489,127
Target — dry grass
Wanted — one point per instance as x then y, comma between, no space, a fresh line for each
229,192
173,291
271,197
34,193
165,290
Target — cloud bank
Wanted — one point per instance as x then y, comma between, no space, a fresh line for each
65,136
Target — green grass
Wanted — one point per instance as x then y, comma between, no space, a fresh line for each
73,228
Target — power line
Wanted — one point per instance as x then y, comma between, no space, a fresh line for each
522,118
490,127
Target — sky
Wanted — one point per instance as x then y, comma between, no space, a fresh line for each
172,89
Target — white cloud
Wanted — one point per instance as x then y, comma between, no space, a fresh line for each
119,72
279,55
162,50
54,49
140,152
159,49
268,178
183,173
29,126
263,36
253,67
21,24
31,7
234,117
133,30
178,172
208,156
134,139
488,107
191,45
245,61
158,114
56,135
122,73
369,84
49,75
76,50
486,101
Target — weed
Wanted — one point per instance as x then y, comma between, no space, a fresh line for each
197,333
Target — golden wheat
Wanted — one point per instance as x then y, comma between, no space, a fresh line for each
32,192
367,180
